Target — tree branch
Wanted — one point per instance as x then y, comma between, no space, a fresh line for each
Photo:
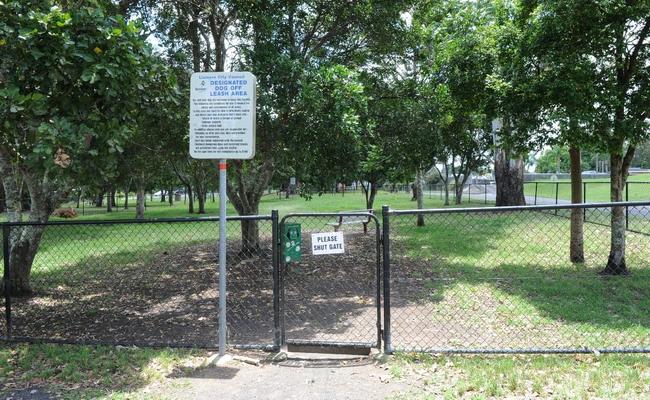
631,61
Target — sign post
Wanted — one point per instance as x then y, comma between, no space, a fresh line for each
222,127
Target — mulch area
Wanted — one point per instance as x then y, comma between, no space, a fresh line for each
168,297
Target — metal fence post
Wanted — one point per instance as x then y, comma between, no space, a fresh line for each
627,211
388,348
6,231
557,190
584,200
277,339
536,183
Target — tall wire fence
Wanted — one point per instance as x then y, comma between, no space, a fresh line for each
442,280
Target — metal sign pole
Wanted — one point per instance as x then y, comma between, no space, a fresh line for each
222,257
222,127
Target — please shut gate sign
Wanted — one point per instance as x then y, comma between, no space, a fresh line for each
327,243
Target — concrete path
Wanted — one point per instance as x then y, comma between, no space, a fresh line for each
320,379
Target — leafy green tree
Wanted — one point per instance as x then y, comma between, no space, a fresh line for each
554,159
611,46
330,111
285,44
69,89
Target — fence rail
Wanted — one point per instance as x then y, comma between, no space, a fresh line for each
456,280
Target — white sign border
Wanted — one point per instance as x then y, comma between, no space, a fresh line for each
249,156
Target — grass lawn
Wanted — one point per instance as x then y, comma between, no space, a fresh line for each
557,377
70,248
350,201
597,190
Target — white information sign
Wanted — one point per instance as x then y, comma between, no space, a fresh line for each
327,243
222,115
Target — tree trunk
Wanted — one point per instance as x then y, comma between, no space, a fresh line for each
370,192
190,198
616,261
109,201
99,200
250,235
24,241
201,196
170,196
140,199
576,246
458,190
245,191
162,196
509,176
127,189
419,195
113,194
445,181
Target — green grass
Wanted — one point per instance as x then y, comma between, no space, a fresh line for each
90,371
71,248
597,190
534,376
351,201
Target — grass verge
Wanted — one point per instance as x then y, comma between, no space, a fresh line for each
80,372
524,376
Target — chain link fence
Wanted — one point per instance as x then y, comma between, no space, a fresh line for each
445,280
151,283
501,280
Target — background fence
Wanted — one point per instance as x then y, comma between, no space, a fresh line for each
500,280
466,280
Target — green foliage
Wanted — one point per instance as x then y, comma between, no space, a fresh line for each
330,110
71,83
588,58
547,162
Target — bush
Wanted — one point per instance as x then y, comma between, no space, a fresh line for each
65,213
